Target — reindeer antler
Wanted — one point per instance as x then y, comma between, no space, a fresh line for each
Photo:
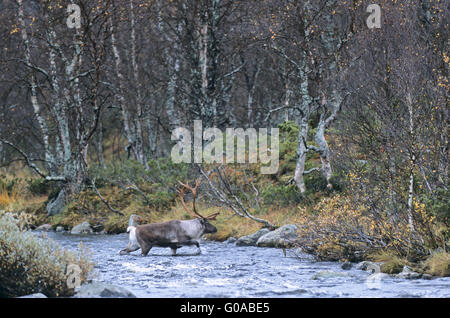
194,193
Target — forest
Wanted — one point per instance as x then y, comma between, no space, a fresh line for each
352,96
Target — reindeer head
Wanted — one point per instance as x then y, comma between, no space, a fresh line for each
208,227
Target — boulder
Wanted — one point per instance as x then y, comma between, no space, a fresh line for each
230,240
36,295
427,276
83,228
56,205
44,228
250,240
284,236
102,290
369,266
408,273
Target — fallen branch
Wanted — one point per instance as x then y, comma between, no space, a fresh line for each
229,199
31,164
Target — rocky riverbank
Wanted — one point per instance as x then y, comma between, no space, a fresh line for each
284,237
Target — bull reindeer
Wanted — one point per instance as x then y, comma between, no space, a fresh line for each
173,234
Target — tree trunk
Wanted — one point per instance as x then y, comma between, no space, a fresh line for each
301,155
324,152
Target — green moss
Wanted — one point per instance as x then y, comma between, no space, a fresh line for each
391,267
391,263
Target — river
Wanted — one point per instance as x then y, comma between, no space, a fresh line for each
227,270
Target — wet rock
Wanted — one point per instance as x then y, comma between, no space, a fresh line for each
83,228
328,274
346,266
230,240
56,205
98,228
284,236
250,240
36,295
427,276
368,266
44,228
59,229
102,290
408,273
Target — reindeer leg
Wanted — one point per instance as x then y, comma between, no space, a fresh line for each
196,243
174,251
129,249
145,249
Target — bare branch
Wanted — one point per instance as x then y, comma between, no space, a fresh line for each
103,199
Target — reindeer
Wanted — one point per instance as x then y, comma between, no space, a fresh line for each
173,234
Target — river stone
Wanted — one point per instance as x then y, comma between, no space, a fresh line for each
346,266
83,228
284,236
102,290
408,273
250,240
98,228
44,228
36,295
369,266
230,240
427,276
59,228
56,205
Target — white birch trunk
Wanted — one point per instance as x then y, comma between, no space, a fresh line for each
411,175
301,155
129,134
49,158
139,133
305,112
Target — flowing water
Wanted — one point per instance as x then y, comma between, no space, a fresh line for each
227,270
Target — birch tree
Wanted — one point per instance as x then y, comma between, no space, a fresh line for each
64,73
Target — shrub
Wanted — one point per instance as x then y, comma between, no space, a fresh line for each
40,186
154,186
6,198
288,145
281,195
438,264
341,229
438,205
29,264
